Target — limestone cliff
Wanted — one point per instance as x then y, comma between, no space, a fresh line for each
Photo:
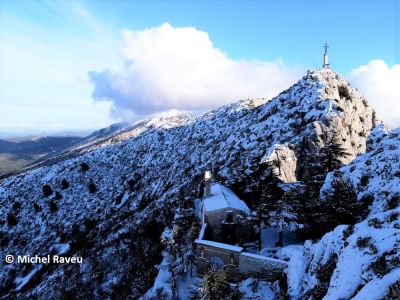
320,107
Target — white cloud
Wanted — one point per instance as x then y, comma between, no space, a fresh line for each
380,84
179,68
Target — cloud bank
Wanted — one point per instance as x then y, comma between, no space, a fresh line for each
179,68
168,68
380,84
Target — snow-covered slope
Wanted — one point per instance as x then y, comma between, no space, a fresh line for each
111,204
376,174
360,261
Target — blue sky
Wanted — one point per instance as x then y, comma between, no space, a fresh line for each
71,65
265,30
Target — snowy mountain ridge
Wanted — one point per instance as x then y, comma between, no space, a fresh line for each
119,197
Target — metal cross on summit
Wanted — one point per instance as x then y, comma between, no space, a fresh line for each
326,64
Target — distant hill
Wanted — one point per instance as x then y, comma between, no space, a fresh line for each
23,153
55,151
15,154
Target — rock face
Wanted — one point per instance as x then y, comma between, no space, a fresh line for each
284,162
111,204
348,114
320,107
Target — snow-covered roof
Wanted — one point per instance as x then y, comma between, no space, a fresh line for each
223,197
219,245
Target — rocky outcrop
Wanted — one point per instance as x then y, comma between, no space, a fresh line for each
320,107
283,162
347,114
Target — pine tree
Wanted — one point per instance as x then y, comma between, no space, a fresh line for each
284,215
331,154
310,208
248,227
216,286
47,190
64,184
92,187
58,196
180,244
271,192
341,207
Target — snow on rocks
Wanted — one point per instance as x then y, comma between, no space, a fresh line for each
352,260
378,288
257,290
162,288
349,261
374,175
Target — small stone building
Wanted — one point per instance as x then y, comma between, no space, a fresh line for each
216,245
219,209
